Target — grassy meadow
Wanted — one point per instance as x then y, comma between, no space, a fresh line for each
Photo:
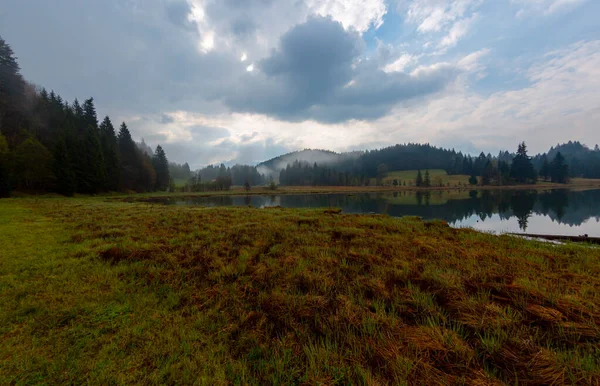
104,292
437,177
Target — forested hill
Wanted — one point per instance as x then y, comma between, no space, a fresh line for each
582,160
273,166
50,145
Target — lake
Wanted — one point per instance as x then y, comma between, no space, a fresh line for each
560,212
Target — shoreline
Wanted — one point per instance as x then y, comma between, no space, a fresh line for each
302,190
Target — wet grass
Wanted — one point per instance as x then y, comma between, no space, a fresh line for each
117,293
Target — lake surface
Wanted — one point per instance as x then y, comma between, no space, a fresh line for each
561,212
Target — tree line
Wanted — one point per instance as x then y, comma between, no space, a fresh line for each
50,145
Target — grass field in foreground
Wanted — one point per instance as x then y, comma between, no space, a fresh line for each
115,293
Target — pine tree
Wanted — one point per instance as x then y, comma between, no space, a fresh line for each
110,152
522,170
427,180
545,168
89,113
63,169
487,174
419,181
161,167
559,170
130,166
94,179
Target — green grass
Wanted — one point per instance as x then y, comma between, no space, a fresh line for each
104,292
437,177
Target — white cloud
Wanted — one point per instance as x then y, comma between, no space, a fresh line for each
560,104
459,29
358,14
438,15
401,63
546,7
453,18
472,62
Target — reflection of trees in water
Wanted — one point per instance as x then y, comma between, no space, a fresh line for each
563,206
521,203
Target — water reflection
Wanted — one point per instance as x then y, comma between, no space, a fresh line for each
556,211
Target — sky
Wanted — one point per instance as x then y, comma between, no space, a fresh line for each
242,81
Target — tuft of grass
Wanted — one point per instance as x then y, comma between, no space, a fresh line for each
107,292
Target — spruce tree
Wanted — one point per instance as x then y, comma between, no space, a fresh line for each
545,168
63,169
94,178
427,180
161,167
522,170
89,113
419,181
128,155
110,152
559,170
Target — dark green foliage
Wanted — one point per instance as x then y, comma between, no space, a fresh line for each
177,171
545,168
4,168
426,180
63,169
419,180
488,173
522,170
84,157
161,166
32,164
559,170
128,155
108,141
89,113
93,178
303,174
473,180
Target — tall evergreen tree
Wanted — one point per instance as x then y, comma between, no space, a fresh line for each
545,168
559,170
110,152
522,170
89,113
12,88
426,180
161,167
487,173
419,180
130,165
94,178
63,169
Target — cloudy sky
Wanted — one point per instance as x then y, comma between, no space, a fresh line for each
246,80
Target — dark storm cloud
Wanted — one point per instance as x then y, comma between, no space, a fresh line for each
316,74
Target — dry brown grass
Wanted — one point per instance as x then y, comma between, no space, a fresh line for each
316,297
